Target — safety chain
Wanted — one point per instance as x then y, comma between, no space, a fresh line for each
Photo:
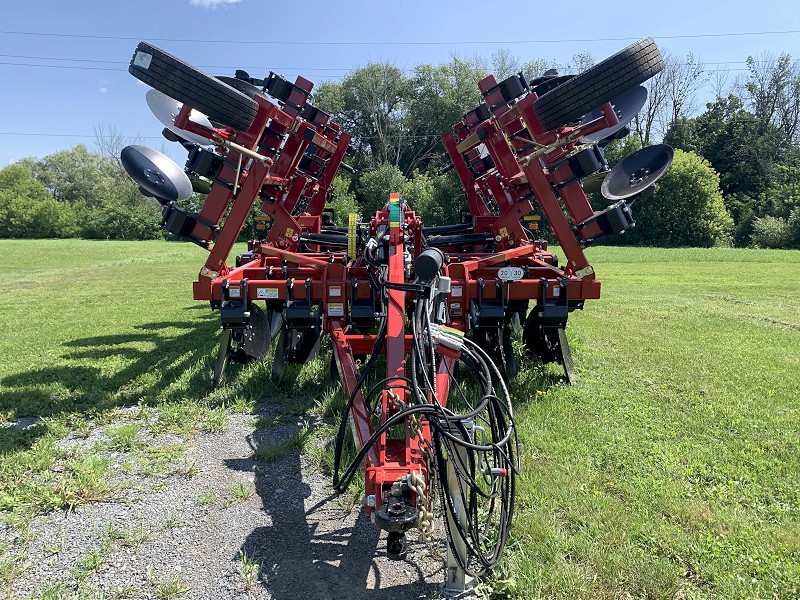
414,480
424,513
417,483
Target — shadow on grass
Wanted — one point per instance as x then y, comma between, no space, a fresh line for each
156,361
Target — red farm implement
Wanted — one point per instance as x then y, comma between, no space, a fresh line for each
411,310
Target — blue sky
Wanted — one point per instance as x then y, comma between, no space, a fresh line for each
88,44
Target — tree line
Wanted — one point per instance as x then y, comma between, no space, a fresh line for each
733,181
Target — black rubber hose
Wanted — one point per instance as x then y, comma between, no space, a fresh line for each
337,455
441,229
324,238
460,240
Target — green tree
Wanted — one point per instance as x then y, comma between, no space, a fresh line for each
448,199
686,209
27,210
375,186
440,96
397,119
437,200
369,104
418,193
770,232
620,149
342,200
773,91
793,224
751,155
77,175
120,220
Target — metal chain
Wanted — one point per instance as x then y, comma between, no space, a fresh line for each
415,480
417,483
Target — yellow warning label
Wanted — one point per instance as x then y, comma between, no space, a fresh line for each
503,232
289,232
352,221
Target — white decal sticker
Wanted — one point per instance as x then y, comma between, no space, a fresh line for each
267,293
142,59
335,291
457,290
511,273
335,309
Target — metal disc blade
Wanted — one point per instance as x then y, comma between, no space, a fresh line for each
626,106
156,173
637,172
593,182
166,109
201,186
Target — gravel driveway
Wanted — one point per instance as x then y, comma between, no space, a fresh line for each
183,535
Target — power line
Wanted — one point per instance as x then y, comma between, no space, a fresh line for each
325,76
80,68
158,137
75,135
119,62
397,42
15,64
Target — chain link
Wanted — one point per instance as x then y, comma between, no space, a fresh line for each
417,483
415,480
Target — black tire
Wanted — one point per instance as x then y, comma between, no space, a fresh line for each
170,75
606,80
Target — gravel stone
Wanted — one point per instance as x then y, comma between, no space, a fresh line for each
308,544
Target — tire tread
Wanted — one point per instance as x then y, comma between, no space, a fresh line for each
185,83
606,80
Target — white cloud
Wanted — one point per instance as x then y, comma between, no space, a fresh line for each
212,3
103,90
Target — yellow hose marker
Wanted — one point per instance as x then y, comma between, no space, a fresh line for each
352,220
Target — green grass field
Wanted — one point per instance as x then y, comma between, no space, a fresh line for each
671,470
